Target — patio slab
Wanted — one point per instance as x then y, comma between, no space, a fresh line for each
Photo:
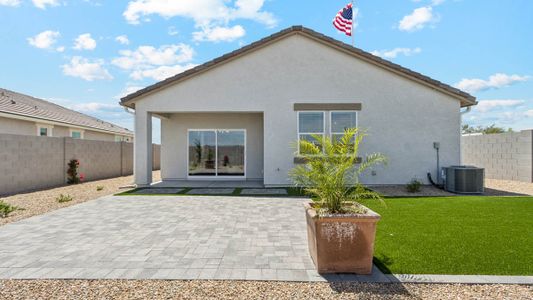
264,192
162,237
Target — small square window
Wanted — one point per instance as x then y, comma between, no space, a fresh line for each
43,131
75,135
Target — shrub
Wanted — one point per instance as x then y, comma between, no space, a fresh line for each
64,198
72,172
100,187
331,173
413,186
6,209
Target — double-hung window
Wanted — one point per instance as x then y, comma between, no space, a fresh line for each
339,122
318,123
311,123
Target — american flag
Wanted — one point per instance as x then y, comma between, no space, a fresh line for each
344,19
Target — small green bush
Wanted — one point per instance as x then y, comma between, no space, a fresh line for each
64,198
413,186
6,209
100,187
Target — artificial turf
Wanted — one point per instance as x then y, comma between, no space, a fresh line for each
455,235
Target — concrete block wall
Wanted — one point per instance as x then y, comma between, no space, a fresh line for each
507,156
31,162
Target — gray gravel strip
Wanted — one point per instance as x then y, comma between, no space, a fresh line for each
466,279
164,289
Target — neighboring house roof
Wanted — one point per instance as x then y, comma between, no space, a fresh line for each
465,98
17,104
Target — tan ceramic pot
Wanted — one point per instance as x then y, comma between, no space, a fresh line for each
341,243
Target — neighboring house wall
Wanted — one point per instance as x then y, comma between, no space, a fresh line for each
12,126
507,156
23,127
402,117
174,140
31,163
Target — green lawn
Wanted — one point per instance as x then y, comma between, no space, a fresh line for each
455,235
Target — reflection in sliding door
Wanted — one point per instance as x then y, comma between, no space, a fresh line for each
230,152
202,150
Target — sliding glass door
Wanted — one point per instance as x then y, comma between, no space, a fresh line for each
216,153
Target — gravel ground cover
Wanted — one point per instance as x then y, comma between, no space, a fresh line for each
157,289
40,202
493,187
497,187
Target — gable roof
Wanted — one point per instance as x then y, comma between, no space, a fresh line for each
18,104
465,98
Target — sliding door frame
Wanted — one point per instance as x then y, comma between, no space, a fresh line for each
216,176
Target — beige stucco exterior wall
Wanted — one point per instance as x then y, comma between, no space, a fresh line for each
402,117
12,126
174,140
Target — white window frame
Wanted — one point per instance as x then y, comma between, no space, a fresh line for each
216,176
324,131
76,130
331,133
49,129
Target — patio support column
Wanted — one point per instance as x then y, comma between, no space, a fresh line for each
143,148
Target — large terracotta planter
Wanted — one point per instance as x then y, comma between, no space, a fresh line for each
341,243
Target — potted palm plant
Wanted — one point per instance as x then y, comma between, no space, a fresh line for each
340,230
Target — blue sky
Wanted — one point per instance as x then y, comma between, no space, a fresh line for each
85,54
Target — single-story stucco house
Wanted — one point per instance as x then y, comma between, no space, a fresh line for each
235,117
26,115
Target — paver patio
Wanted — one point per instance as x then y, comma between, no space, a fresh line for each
164,237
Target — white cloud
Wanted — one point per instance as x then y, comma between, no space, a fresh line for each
418,19
44,40
157,63
146,56
92,107
172,30
437,2
84,42
86,69
11,3
60,49
43,3
490,105
160,73
218,34
130,89
204,12
529,113
123,39
495,81
396,51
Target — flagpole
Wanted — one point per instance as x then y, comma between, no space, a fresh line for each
353,25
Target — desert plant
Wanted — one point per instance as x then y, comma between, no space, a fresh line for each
100,188
6,209
331,172
64,198
413,186
72,172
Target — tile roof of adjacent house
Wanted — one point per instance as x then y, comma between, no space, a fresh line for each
18,104
465,98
